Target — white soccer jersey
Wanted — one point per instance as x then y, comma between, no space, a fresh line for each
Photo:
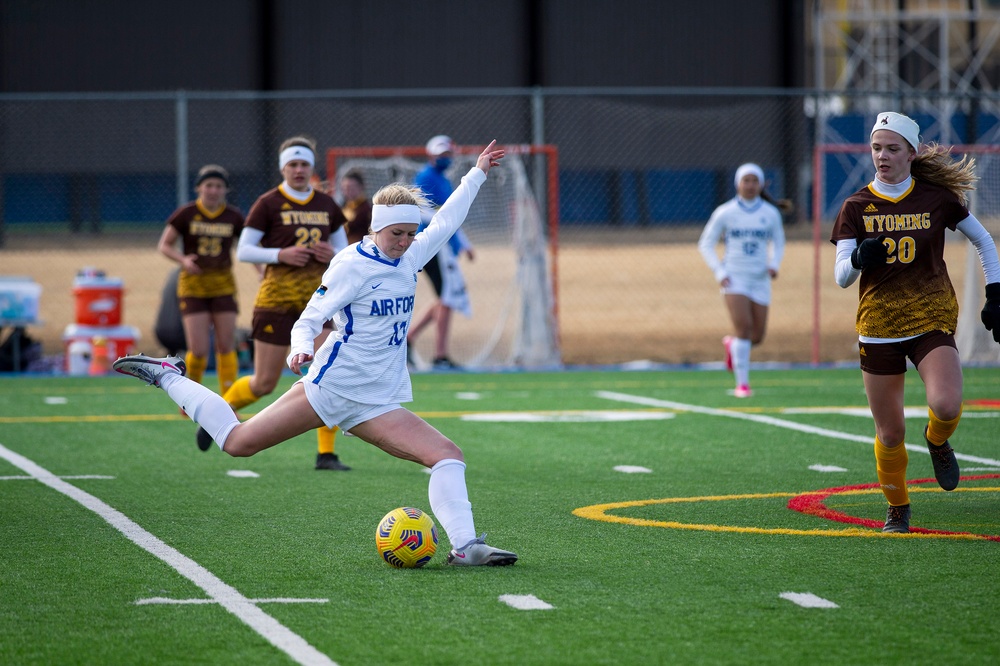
749,228
370,299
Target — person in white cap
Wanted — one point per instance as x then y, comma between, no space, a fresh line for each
891,234
754,245
293,231
444,271
358,378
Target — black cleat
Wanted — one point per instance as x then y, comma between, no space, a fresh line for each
330,461
945,465
445,363
204,439
897,519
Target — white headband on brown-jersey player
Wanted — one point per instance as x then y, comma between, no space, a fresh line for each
296,153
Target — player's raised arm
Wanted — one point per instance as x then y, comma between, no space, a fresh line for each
490,157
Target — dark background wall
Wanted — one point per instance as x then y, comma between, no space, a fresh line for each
133,45
152,90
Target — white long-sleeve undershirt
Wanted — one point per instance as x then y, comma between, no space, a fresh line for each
249,248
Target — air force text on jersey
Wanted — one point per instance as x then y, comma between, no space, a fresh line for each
388,307
382,307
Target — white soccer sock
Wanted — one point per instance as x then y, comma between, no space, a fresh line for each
450,501
740,349
204,406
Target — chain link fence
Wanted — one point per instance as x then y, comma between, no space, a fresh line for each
89,180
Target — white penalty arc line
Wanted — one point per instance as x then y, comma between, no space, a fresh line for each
770,420
227,596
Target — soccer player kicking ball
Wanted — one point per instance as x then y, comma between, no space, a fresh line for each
358,377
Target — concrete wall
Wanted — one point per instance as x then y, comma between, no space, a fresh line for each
124,45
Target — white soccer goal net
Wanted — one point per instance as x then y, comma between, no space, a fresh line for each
511,279
843,169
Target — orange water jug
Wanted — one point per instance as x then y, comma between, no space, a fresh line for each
100,364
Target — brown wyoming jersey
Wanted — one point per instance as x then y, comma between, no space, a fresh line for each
286,223
210,236
911,294
359,219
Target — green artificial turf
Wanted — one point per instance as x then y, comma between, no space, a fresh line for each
692,581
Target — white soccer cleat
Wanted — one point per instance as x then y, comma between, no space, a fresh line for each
477,553
742,391
148,368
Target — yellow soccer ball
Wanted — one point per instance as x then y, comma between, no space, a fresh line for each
406,538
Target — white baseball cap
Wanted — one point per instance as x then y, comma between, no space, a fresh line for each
904,126
439,144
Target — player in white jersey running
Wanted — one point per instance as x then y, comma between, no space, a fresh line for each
754,246
358,377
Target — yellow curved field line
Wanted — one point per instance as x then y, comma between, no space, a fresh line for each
600,512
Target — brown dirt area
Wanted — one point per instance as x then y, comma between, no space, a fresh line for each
619,300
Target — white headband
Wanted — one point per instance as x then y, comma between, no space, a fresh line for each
904,126
384,216
749,168
295,153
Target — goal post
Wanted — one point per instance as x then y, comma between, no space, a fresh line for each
513,226
842,169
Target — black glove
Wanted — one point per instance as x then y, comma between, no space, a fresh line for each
872,252
991,311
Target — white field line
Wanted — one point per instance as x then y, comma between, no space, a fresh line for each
525,602
770,420
243,608
573,416
243,474
71,476
632,469
195,602
808,600
827,468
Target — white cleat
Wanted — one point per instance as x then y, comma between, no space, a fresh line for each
149,368
477,553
